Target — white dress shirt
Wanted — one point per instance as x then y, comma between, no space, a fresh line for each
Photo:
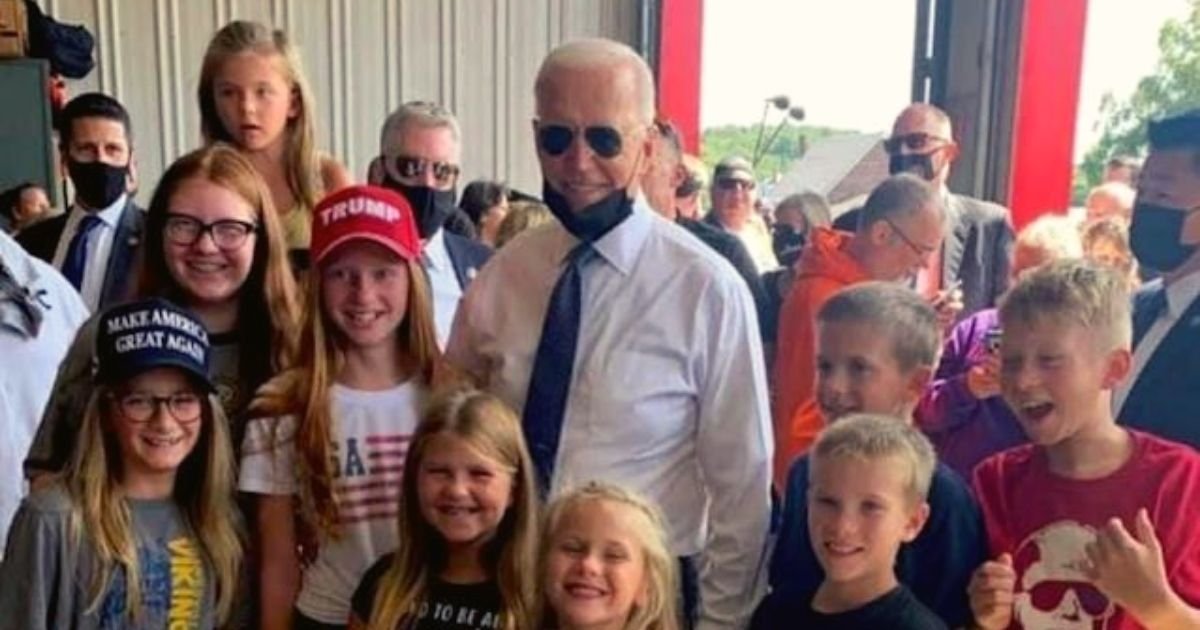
668,394
1180,296
99,247
443,283
29,365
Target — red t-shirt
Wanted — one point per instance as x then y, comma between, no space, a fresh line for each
1045,521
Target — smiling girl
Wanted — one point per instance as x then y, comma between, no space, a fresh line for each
214,246
468,523
605,563
138,531
325,456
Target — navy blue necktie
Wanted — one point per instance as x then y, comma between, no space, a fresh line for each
550,382
1152,306
77,252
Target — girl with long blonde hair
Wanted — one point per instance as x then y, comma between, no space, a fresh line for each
468,526
253,95
605,563
139,531
325,454
213,245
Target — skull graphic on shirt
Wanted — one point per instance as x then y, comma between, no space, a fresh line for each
1052,591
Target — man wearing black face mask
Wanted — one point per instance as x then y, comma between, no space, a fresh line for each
1161,396
419,153
629,347
978,243
95,243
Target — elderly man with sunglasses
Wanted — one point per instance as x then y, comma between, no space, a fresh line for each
630,348
734,196
975,251
899,233
419,152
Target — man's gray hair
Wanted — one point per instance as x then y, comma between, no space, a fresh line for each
593,53
422,114
898,196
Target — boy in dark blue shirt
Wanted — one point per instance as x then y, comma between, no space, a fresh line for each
877,347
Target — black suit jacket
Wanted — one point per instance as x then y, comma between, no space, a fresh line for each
977,249
466,255
120,276
1164,399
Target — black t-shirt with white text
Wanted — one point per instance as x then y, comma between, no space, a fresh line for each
449,606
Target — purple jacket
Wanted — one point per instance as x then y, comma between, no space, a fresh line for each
963,429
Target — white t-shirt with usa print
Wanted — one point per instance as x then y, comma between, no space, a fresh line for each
371,434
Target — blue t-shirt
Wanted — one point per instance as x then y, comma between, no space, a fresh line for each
936,566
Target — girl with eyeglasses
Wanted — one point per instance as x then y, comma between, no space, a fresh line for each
253,95
139,530
324,455
213,244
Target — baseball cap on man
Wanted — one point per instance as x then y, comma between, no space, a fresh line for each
734,167
365,212
140,336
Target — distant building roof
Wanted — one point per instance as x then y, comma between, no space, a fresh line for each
839,167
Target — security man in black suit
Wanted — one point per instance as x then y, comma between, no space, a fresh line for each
419,155
95,244
977,248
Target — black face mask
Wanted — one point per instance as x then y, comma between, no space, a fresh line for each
97,184
918,164
592,222
1154,237
430,207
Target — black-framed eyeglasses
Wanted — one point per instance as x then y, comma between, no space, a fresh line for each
227,234
732,183
140,408
922,251
444,173
555,139
918,142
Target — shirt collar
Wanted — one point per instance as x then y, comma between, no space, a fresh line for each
111,215
18,262
621,246
435,250
1181,294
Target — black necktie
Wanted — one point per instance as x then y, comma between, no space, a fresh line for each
550,382
77,251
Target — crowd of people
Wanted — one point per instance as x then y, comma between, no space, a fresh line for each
277,398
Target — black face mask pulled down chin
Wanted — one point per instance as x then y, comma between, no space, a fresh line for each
430,207
914,163
592,222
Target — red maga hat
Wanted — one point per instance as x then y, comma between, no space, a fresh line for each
364,212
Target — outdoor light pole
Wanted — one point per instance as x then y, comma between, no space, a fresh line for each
794,113
780,102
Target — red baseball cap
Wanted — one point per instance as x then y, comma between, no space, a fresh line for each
364,212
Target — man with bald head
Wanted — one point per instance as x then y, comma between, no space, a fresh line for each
1110,199
630,349
978,241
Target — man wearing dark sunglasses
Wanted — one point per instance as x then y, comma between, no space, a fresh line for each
419,153
734,196
631,349
976,249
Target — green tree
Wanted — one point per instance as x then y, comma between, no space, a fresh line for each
1174,87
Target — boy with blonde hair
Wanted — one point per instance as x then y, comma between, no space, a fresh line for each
867,494
1090,524
876,347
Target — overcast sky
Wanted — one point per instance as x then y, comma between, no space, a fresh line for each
849,62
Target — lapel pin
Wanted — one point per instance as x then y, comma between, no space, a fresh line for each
471,271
